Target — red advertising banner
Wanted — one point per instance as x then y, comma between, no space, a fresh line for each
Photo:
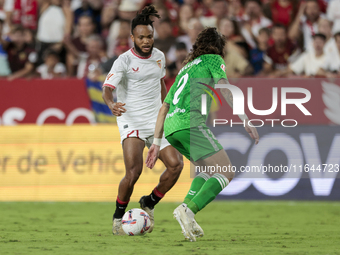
63,101
261,94
66,101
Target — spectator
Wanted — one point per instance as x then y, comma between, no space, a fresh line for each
335,67
176,66
4,65
282,11
172,9
21,58
90,8
165,39
194,3
76,46
256,55
128,8
186,12
230,29
325,27
194,28
333,14
126,11
253,21
219,9
236,65
119,35
2,11
51,68
55,21
108,14
204,9
85,28
29,38
22,12
305,23
236,9
312,63
94,56
7,10
54,24
277,56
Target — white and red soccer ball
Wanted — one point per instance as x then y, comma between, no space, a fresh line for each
136,222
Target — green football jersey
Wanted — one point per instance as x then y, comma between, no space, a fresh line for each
185,95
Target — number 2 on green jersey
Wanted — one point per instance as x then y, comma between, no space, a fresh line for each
183,81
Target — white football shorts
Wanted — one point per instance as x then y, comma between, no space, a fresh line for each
145,134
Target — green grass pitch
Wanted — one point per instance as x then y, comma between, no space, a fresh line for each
231,227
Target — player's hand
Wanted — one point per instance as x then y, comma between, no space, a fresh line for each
252,132
117,108
152,156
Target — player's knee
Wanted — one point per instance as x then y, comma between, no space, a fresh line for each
176,167
133,175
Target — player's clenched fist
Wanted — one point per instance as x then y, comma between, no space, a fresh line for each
117,108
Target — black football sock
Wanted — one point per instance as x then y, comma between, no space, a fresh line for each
120,208
153,198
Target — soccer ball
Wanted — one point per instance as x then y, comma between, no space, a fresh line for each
136,222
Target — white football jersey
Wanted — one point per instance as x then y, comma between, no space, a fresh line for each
137,81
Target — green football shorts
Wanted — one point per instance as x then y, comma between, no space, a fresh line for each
195,143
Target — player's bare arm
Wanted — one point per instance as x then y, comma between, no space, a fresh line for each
228,96
163,90
155,147
116,108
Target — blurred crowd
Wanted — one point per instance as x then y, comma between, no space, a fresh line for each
82,38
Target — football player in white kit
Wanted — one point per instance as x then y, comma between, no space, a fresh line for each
137,75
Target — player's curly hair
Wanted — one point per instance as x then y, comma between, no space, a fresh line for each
143,17
209,41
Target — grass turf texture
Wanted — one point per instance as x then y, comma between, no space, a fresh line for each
230,228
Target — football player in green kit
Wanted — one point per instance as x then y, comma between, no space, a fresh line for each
184,126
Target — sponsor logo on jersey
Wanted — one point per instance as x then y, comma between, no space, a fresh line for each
223,67
159,63
135,70
109,76
195,62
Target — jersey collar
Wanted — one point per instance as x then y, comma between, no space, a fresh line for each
134,53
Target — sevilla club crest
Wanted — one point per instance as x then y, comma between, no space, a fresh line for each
159,63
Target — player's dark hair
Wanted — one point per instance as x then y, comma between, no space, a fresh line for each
264,30
180,46
216,1
279,25
50,52
209,41
143,17
87,17
17,28
319,35
256,1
